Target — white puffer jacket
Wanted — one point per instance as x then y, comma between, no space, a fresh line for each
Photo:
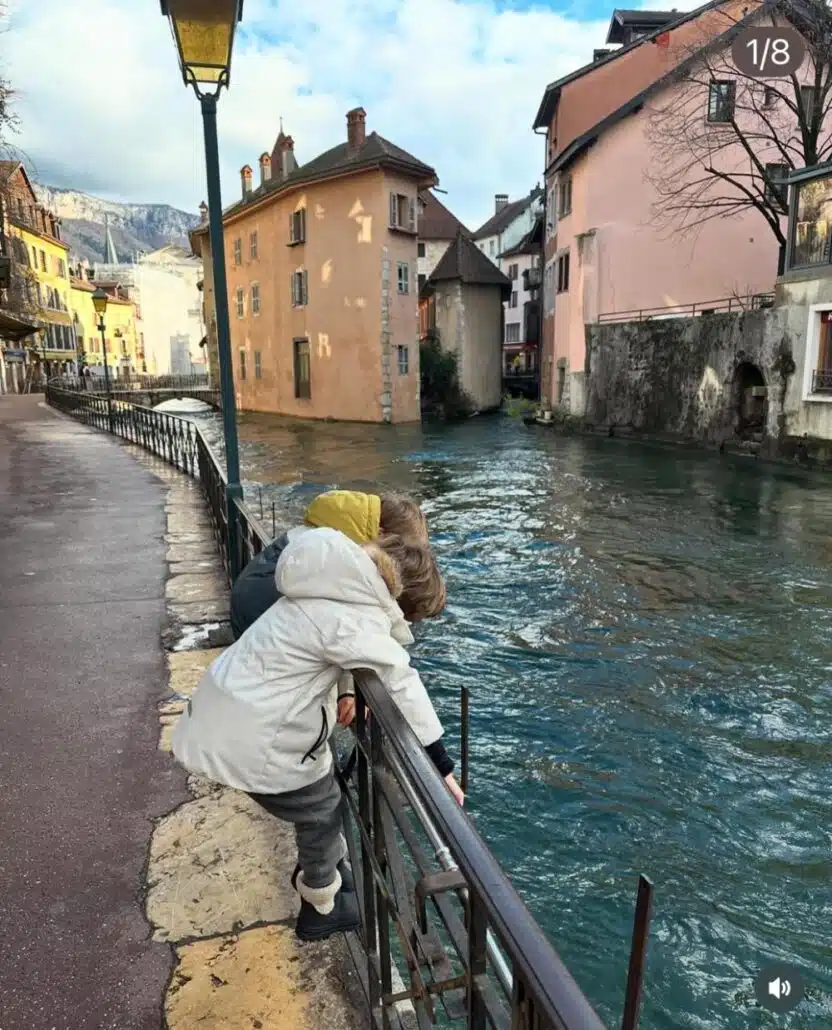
262,715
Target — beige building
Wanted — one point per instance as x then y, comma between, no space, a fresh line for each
323,281
164,288
462,304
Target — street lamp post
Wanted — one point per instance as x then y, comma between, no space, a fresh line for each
204,34
99,302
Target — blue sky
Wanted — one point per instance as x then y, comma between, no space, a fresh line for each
455,82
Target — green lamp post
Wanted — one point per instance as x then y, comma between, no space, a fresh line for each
204,34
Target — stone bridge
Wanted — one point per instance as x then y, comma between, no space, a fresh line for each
149,397
145,390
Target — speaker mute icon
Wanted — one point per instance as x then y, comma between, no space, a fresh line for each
779,988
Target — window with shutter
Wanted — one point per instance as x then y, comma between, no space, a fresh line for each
402,212
297,226
302,369
300,292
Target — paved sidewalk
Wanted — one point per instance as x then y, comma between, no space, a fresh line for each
82,605
129,900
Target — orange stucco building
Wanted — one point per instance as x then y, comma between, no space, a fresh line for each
322,272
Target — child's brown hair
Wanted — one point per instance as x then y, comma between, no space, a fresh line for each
401,516
411,575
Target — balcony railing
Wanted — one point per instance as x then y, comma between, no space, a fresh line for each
725,305
531,278
822,381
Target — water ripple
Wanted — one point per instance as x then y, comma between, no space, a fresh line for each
647,636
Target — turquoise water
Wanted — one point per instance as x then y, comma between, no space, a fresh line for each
647,635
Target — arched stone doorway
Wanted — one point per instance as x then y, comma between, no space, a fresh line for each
751,399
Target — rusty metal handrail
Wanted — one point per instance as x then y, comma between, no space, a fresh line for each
725,305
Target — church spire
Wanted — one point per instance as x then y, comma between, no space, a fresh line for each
110,253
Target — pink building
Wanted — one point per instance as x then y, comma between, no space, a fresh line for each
606,255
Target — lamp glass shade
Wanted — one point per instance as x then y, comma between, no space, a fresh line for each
204,34
99,301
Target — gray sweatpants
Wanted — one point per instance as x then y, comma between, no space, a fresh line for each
316,813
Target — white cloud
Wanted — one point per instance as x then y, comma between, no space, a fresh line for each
456,83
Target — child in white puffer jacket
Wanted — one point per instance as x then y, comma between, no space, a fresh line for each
261,718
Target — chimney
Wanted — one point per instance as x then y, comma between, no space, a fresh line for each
500,201
287,157
203,213
356,127
265,168
245,179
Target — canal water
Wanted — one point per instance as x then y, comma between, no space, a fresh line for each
647,636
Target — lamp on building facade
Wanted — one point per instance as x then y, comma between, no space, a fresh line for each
99,302
204,34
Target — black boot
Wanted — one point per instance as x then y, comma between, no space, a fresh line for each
313,925
345,870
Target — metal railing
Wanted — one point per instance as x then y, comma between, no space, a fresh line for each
724,305
462,938
441,924
96,383
822,381
179,442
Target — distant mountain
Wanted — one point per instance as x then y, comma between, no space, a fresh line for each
135,228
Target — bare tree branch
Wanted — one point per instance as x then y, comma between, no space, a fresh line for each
721,153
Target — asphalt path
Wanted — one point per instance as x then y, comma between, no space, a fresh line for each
82,573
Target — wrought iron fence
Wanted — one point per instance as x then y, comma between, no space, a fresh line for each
179,442
443,931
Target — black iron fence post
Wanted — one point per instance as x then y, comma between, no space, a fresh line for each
102,330
233,489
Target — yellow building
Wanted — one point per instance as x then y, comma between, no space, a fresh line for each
41,259
121,338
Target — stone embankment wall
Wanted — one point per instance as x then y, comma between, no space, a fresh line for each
677,375
686,377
